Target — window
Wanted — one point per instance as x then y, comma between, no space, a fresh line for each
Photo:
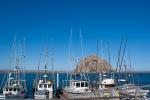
45,85
86,84
77,84
18,89
82,84
6,89
49,86
10,89
40,86
14,89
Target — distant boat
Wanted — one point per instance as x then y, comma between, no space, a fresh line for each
132,91
43,88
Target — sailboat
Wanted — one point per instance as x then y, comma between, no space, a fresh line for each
77,87
43,88
15,86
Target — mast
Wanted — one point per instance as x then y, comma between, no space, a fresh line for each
109,58
37,75
22,58
97,59
46,63
131,72
102,60
123,53
69,55
82,55
119,55
125,68
17,68
102,51
52,58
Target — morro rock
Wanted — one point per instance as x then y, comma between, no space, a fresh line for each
93,64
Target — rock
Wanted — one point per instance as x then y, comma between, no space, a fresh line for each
92,64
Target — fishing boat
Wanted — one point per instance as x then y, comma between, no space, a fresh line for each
107,83
132,91
15,86
78,89
78,86
43,88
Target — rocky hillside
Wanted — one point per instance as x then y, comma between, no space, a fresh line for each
93,63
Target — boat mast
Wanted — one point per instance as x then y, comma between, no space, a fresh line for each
37,75
125,68
101,76
24,56
122,57
69,55
131,69
45,69
17,68
82,56
109,59
52,58
97,59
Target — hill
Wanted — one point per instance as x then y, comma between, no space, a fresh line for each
93,63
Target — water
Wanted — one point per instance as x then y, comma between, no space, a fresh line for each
139,79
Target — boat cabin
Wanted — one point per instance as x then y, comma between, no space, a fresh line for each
79,84
44,85
107,83
12,90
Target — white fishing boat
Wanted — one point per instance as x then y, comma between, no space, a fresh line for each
78,89
107,83
15,86
44,90
43,87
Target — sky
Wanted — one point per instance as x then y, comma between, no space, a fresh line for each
48,24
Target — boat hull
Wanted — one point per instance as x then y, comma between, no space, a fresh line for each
43,95
78,95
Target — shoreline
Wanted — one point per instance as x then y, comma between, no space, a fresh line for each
61,71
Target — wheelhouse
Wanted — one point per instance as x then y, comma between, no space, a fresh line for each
79,84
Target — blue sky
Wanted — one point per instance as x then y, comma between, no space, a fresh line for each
47,24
